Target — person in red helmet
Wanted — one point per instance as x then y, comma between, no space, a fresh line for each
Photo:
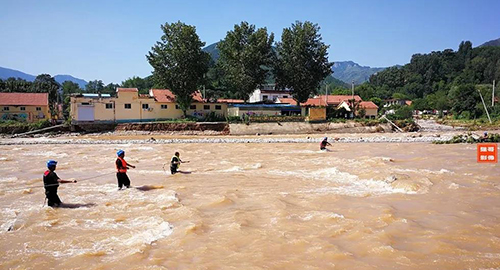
51,182
121,170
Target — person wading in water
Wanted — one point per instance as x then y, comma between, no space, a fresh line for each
175,162
121,170
51,182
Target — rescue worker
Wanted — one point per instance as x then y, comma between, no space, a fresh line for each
324,144
175,163
51,182
121,170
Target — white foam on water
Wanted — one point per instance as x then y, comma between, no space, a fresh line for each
454,186
240,169
143,148
347,184
46,154
233,169
148,171
317,214
10,179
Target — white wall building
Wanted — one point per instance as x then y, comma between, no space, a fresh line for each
268,92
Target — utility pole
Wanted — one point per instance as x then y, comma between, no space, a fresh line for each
493,95
326,96
484,104
352,89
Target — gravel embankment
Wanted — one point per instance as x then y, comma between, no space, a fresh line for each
402,138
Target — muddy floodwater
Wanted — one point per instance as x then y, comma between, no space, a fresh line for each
252,206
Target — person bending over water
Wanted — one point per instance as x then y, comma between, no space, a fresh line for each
324,144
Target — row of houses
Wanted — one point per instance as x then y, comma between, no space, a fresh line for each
160,104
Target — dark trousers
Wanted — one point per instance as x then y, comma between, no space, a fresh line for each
173,169
122,180
52,198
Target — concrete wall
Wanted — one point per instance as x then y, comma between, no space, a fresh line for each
29,114
237,111
304,128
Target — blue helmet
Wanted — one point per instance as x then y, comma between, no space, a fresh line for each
51,163
325,138
120,152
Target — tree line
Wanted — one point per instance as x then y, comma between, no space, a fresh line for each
442,80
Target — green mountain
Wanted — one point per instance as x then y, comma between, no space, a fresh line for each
349,71
494,42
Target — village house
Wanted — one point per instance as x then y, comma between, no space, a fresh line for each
269,93
400,102
337,102
30,107
130,106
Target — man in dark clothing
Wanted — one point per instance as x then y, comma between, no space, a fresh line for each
175,162
51,183
324,144
121,170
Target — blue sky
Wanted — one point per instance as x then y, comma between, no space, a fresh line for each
108,40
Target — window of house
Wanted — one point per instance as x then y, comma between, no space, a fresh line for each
38,108
285,96
275,97
206,107
264,97
163,106
127,106
145,106
23,108
192,107
6,108
85,103
218,107
109,105
177,107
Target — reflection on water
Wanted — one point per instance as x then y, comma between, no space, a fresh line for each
253,206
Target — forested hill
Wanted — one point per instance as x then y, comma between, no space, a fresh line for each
441,79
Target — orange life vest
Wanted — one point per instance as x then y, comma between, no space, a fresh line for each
124,166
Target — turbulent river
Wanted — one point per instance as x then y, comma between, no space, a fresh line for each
252,206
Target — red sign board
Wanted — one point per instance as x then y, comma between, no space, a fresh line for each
487,153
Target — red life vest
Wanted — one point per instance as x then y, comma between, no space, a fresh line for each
124,166
46,173
322,144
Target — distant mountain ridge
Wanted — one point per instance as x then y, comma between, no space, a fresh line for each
494,42
6,73
349,71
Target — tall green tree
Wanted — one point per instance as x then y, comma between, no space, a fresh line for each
245,53
44,83
302,60
110,88
68,88
143,84
95,86
178,61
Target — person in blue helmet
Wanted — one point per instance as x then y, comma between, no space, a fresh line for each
51,182
121,170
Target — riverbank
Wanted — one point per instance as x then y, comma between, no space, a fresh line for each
138,138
